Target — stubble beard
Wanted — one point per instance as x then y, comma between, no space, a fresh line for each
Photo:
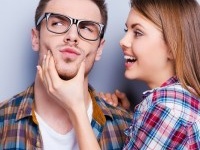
66,73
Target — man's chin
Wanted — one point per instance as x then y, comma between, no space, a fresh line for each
65,77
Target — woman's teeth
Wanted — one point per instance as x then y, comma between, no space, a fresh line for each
130,59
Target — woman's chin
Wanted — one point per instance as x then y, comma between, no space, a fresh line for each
130,76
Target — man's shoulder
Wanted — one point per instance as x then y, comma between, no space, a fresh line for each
10,107
109,110
115,112
117,120
13,101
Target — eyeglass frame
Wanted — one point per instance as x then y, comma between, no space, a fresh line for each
46,16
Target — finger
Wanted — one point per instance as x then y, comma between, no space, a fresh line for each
81,72
43,71
39,70
101,95
105,97
47,69
109,98
52,72
108,95
114,99
123,99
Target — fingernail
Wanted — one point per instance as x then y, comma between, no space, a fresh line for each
117,91
37,67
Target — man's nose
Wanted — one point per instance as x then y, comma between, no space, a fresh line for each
72,34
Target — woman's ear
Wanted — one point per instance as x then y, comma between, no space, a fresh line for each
35,39
100,50
170,55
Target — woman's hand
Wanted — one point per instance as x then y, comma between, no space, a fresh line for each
70,93
116,99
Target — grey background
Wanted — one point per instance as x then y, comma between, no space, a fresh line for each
18,61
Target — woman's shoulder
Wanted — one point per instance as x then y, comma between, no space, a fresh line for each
179,101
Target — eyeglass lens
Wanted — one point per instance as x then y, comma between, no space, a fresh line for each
60,24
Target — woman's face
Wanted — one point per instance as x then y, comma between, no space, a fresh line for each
145,51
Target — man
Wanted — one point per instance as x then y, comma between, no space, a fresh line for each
71,33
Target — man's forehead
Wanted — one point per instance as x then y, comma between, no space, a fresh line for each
79,9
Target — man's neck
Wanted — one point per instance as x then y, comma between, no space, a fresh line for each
52,112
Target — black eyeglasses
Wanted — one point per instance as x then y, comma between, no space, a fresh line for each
57,23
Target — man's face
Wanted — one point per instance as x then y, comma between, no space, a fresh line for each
69,49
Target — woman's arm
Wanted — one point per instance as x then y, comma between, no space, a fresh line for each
70,95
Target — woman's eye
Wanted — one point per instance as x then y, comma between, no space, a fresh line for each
138,33
125,29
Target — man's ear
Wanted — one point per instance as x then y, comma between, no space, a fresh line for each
35,39
100,50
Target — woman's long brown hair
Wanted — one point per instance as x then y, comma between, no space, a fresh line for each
179,21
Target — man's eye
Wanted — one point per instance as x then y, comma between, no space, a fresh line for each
86,28
57,24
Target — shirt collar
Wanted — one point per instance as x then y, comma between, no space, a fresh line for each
170,81
26,108
99,113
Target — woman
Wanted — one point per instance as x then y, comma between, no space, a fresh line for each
162,48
